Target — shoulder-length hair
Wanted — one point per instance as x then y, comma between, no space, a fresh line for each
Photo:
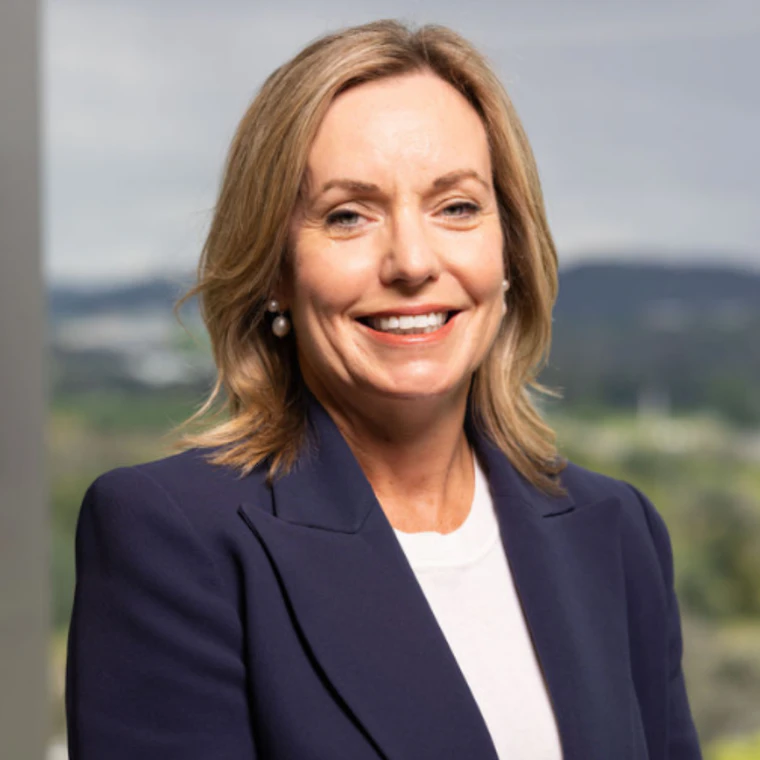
247,248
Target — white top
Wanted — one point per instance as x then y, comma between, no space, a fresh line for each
468,584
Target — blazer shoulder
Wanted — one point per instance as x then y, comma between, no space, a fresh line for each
640,516
184,492
188,478
586,486
183,499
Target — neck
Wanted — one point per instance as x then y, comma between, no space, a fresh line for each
415,454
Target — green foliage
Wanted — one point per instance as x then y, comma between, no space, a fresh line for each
747,748
737,399
700,365
122,411
720,566
722,669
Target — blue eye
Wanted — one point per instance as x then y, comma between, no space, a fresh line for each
462,208
343,218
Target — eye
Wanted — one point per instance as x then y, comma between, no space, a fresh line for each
461,210
343,218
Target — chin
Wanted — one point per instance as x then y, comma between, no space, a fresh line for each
418,389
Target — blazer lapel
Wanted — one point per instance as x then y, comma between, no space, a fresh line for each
567,568
361,610
371,631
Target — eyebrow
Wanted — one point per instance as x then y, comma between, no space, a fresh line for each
353,185
443,182
452,178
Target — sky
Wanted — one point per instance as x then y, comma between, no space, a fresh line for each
643,118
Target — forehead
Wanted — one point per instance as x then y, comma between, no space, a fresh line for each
413,123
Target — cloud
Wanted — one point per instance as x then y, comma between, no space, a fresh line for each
643,118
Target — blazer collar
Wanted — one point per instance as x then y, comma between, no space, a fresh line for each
368,624
360,611
328,489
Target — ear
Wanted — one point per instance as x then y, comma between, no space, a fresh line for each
283,292
283,289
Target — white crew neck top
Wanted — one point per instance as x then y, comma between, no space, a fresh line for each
468,584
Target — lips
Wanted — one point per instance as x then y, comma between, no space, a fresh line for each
404,323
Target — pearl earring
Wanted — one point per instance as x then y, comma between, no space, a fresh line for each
505,285
280,324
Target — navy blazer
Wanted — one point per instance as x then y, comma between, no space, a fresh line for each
219,618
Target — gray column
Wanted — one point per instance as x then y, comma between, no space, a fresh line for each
23,494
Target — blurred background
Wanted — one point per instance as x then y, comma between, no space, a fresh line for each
643,118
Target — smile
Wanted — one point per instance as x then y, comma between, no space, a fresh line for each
407,324
410,329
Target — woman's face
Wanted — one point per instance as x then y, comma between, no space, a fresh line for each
396,279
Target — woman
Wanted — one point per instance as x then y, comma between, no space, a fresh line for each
378,554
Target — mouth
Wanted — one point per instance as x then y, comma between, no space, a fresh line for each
408,324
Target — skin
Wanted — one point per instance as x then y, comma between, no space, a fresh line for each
427,232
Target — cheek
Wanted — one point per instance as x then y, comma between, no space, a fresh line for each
329,277
482,266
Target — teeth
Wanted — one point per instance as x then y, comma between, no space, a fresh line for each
409,325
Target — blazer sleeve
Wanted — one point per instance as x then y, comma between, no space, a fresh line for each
682,739
155,666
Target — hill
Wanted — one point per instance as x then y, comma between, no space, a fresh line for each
625,335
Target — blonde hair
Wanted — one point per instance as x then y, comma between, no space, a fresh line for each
246,248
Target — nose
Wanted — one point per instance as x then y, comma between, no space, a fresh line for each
410,258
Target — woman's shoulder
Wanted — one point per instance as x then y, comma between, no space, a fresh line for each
586,486
190,473
640,521
187,484
171,515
